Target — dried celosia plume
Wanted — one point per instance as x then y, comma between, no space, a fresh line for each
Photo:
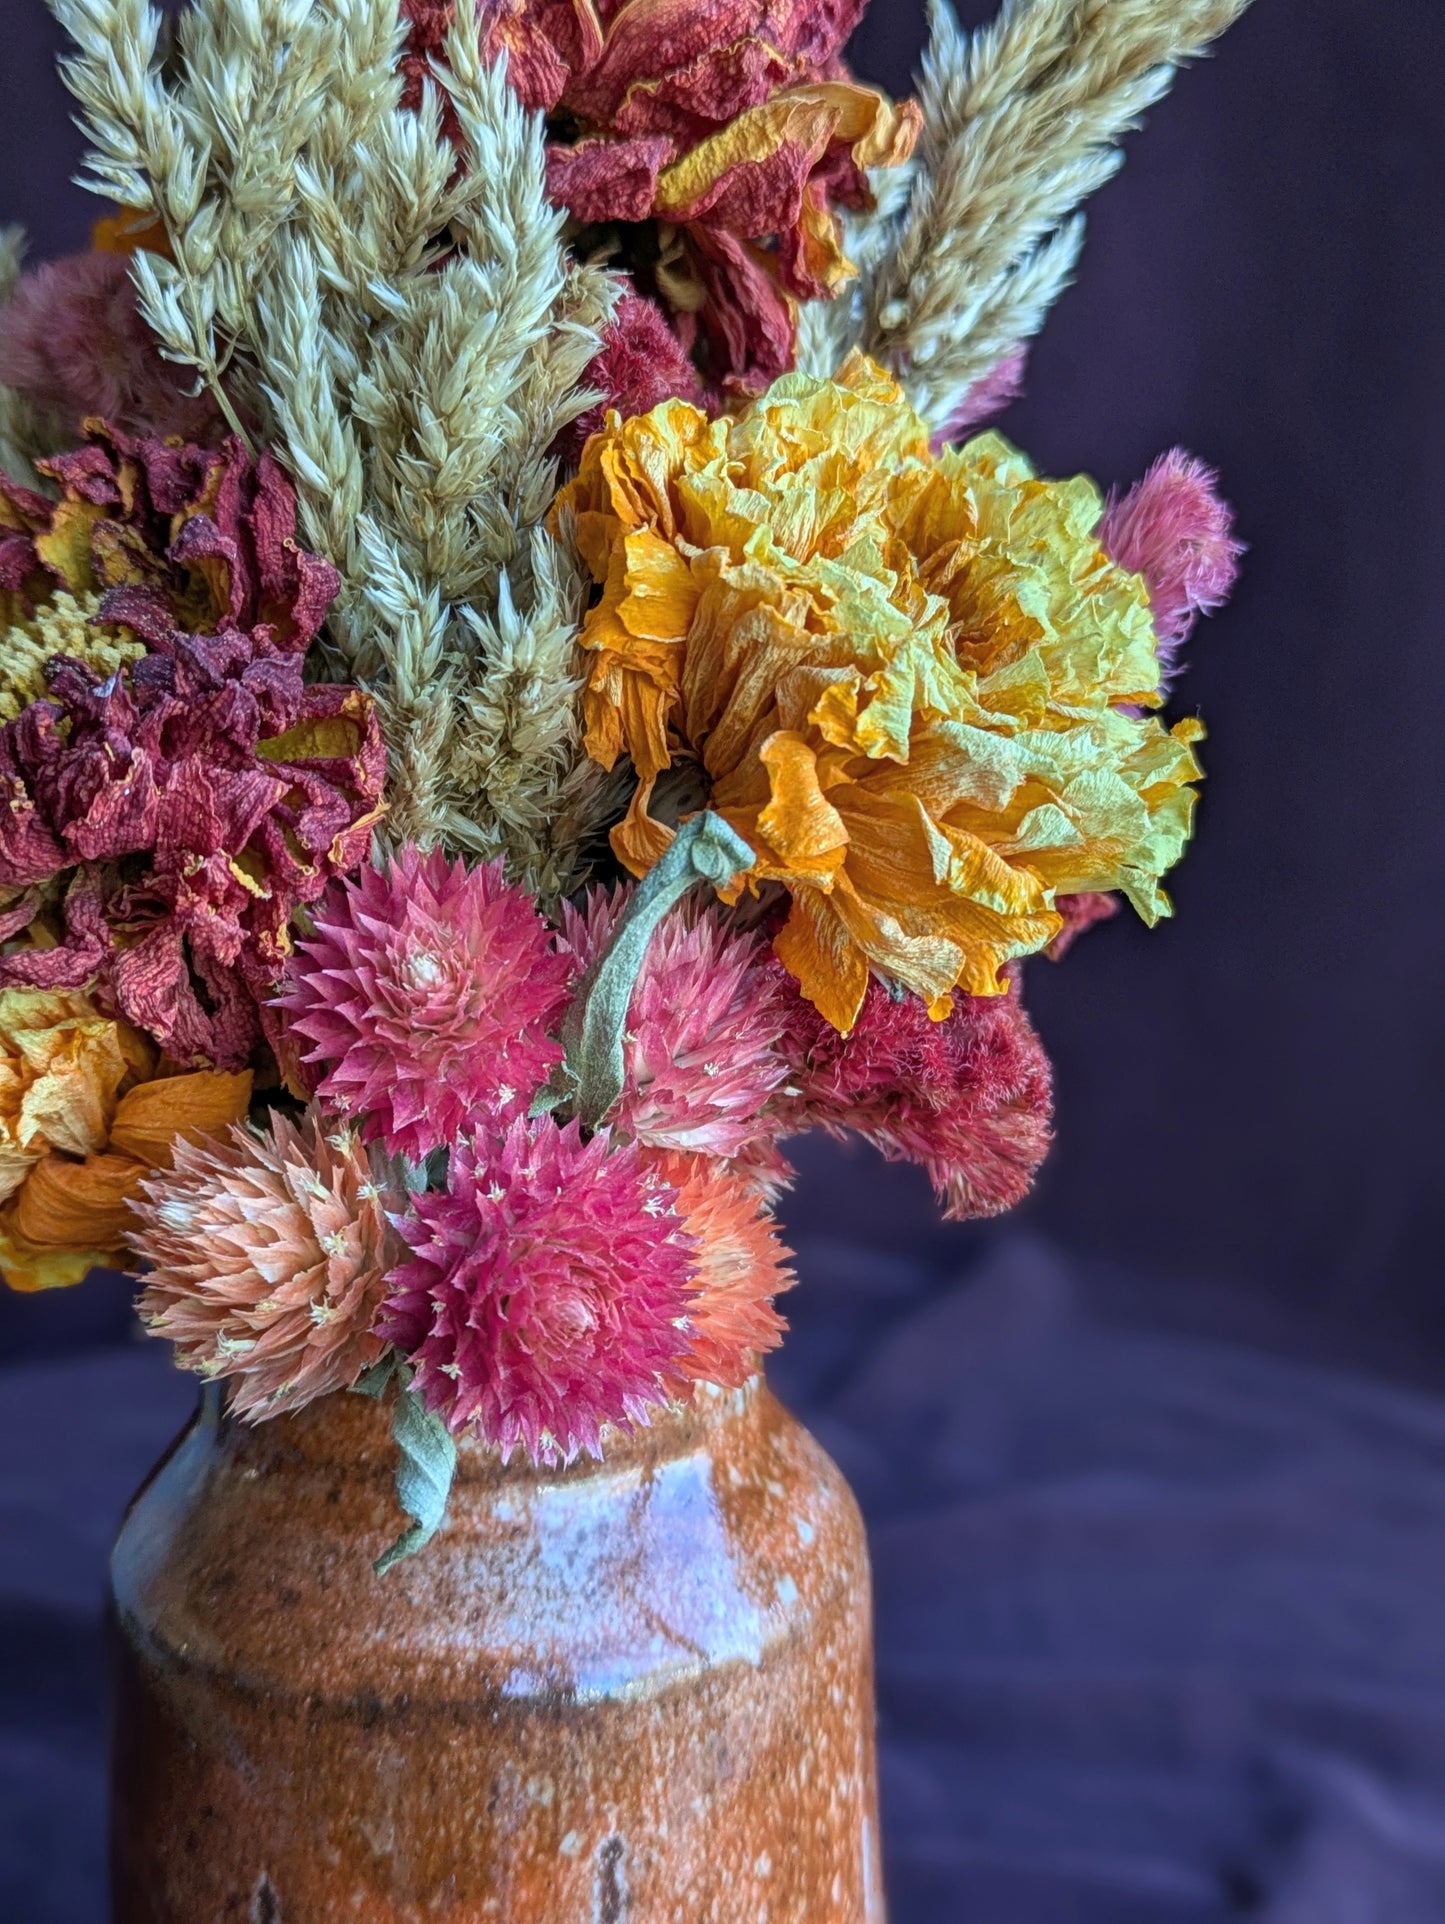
73,342
1174,529
546,1290
426,1000
269,1255
969,1099
641,365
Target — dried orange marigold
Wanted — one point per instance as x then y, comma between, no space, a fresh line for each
914,685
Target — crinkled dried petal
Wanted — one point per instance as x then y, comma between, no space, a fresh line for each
916,686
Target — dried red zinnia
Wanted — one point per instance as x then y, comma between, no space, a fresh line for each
168,820
712,139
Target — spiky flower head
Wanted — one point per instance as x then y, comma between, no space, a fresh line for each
269,1257
969,1098
1176,530
701,1051
545,1292
425,999
738,1268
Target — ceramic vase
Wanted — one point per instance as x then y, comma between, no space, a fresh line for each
638,1690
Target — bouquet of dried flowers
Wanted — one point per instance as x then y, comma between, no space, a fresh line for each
518,693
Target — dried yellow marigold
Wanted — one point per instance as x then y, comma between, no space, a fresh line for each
915,686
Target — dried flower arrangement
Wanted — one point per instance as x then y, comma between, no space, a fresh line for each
517,695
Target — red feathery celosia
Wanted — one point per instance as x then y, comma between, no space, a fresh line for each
739,1266
640,366
167,822
546,1290
701,1054
426,996
720,133
1175,530
73,341
269,1258
969,1098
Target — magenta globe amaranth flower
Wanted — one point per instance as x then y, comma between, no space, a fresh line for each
425,1000
546,1290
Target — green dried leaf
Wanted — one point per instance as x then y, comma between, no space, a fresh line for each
705,849
426,1463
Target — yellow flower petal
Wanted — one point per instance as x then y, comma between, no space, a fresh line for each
913,684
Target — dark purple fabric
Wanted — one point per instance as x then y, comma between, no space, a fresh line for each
1159,1577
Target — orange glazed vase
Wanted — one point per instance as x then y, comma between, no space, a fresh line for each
635,1692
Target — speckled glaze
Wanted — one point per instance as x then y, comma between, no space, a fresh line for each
630,1693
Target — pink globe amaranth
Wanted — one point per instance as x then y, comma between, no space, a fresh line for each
546,1290
425,1000
701,1054
268,1253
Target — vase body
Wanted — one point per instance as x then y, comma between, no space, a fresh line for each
638,1692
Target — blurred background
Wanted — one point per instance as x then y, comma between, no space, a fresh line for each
1156,1466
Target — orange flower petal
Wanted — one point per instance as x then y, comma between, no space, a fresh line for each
27,1268
74,1206
814,946
153,1117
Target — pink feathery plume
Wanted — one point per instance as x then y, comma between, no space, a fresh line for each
1175,530
990,394
73,341
969,1098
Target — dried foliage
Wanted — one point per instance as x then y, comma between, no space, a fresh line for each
388,299
1022,122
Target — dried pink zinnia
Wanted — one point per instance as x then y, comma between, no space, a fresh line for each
269,1258
701,1054
739,1266
73,341
969,1098
174,815
1175,530
545,1292
426,997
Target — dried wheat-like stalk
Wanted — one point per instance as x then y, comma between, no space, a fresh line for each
829,330
397,315
1022,122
